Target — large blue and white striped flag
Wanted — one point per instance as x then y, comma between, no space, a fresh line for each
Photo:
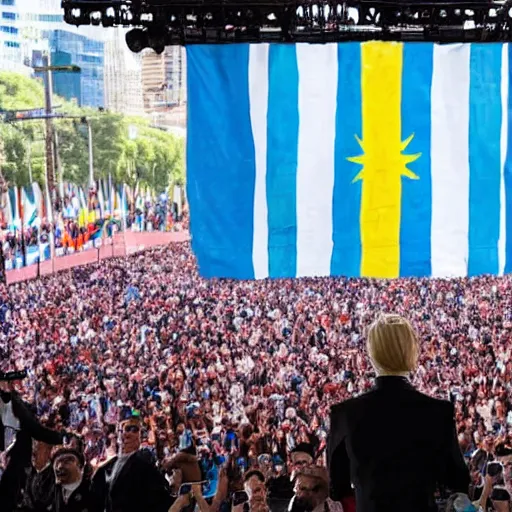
374,159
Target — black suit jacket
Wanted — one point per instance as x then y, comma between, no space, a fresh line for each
138,486
39,490
395,445
81,499
28,422
14,477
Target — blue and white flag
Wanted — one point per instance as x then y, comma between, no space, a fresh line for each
359,159
29,206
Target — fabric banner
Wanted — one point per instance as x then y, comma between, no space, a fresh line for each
32,255
370,159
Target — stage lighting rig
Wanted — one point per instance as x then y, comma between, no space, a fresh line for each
157,23
137,40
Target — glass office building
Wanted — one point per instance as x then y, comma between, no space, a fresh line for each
10,47
86,87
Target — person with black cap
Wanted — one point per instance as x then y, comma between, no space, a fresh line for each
281,487
130,481
72,489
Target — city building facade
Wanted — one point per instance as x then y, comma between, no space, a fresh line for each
123,76
164,78
10,43
164,86
41,29
86,87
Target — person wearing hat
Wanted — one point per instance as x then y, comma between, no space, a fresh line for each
312,491
301,456
281,487
72,489
130,481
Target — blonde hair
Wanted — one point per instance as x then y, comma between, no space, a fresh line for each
392,345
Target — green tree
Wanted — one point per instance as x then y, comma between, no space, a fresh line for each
155,158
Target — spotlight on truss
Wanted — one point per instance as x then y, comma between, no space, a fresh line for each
137,40
157,38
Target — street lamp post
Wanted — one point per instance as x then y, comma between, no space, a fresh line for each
91,156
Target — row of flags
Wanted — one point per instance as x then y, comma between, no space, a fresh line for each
28,206
23,205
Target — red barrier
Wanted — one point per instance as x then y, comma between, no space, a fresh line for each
124,244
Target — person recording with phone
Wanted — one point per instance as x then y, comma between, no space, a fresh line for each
18,427
188,485
190,498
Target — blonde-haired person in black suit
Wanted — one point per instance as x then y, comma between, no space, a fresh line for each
394,445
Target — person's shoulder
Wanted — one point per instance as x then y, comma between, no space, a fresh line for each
144,456
342,408
106,465
436,403
436,407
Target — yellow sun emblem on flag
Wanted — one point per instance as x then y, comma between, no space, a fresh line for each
383,159
372,162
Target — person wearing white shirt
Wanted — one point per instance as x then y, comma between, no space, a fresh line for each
9,421
72,490
18,427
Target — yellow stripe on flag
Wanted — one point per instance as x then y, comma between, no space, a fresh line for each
382,159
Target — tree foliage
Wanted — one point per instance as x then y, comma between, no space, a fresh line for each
154,157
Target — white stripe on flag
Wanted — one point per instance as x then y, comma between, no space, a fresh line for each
258,100
504,143
318,83
450,160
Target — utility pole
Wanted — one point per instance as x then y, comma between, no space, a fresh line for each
50,160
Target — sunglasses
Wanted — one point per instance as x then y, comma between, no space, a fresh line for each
133,429
301,463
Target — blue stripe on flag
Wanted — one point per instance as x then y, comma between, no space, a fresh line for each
29,193
13,199
282,155
485,117
508,175
221,165
346,253
29,208
416,214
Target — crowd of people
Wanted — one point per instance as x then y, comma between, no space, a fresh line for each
74,232
242,375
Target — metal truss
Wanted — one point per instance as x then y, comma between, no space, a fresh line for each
234,21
